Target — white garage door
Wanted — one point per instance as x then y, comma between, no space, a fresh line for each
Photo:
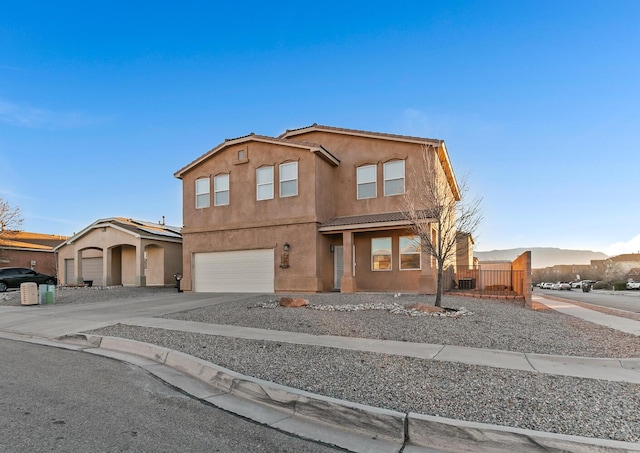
244,271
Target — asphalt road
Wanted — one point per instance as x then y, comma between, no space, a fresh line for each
56,400
622,300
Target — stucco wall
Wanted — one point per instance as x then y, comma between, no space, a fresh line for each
244,208
523,263
302,273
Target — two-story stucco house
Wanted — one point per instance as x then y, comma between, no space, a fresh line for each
316,209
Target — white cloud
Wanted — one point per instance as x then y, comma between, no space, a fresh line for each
631,246
23,115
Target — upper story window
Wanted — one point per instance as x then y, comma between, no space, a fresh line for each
410,251
221,190
203,190
366,176
394,177
381,254
264,183
289,179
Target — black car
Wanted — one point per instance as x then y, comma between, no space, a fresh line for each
12,277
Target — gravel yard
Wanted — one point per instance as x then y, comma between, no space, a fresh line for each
586,407
493,325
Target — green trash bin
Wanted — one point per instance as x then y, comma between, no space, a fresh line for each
47,294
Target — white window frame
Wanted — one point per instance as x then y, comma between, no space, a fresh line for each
267,170
360,181
416,240
201,191
373,254
283,180
217,190
389,179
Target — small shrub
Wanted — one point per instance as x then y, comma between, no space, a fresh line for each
601,285
619,286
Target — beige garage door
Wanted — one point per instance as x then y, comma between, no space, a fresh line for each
244,271
91,270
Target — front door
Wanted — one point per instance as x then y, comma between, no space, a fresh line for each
338,266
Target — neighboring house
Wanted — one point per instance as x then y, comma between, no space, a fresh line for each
316,209
464,250
119,251
622,266
29,250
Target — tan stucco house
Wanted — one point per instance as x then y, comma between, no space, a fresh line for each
316,209
120,251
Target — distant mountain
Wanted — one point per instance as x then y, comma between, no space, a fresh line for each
542,257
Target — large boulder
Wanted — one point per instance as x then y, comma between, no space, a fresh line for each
293,302
419,306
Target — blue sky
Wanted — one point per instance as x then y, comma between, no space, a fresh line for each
538,101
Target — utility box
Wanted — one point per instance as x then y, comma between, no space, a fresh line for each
467,283
47,294
29,293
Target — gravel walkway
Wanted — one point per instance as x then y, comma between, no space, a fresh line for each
585,407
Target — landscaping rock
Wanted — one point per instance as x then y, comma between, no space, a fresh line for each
293,302
420,306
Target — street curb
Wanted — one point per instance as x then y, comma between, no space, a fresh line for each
339,421
321,418
389,429
464,436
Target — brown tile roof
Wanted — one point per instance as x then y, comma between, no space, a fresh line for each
367,218
370,218
343,130
326,154
28,240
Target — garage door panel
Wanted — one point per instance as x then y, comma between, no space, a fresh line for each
91,270
249,271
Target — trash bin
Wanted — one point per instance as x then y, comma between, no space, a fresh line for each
29,293
47,294
178,277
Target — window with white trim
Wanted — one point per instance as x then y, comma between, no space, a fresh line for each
410,253
394,178
289,179
221,190
264,183
203,191
381,254
367,179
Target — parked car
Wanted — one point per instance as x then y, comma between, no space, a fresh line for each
577,284
633,284
546,285
560,286
13,277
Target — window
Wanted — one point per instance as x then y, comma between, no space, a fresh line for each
221,190
289,179
202,193
394,178
264,180
410,251
366,181
381,254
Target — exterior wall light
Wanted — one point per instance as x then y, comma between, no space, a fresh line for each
286,246
331,248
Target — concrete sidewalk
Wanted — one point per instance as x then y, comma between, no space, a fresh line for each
596,317
314,416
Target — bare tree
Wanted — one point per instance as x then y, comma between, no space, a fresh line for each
437,206
10,218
